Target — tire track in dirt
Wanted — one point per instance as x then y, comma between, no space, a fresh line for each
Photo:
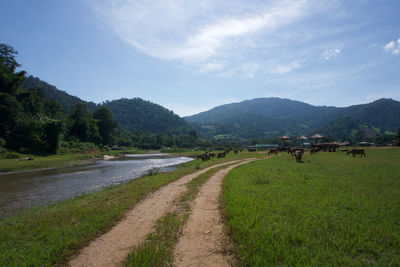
114,246
202,241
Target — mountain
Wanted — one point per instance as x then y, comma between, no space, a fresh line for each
138,114
66,101
131,114
269,117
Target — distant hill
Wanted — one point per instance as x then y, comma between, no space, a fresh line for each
269,117
131,114
66,101
138,114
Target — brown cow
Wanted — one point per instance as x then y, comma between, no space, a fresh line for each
273,151
357,151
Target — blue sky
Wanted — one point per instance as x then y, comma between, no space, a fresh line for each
190,56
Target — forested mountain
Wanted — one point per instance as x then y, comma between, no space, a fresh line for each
138,114
131,114
36,117
67,101
268,117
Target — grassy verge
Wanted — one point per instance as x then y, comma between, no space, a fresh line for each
158,250
50,235
42,162
330,210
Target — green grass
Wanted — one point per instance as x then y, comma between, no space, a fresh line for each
330,210
51,235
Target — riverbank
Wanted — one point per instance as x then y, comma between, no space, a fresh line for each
39,163
51,235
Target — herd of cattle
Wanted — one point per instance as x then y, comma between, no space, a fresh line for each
296,152
207,155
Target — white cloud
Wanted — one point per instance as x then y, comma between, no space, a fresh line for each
393,47
285,68
207,35
328,53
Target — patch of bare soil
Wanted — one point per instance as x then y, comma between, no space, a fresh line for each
114,246
202,241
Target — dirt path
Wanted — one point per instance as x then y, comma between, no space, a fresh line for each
114,246
202,241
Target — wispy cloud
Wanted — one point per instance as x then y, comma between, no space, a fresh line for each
393,47
329,53
207,35
285,68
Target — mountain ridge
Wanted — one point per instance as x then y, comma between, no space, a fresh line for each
278,116
136,115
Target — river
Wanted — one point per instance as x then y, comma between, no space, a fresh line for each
20,191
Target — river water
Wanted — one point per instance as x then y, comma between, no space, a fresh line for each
37,188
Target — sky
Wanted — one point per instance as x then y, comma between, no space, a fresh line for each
190,56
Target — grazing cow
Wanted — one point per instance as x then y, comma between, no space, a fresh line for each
221,155
357,151
235,151
273,151
298,154
313,150
252,150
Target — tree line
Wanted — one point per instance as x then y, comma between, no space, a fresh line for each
31,122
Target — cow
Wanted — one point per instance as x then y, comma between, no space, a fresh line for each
298,154
357,151
273,151
221,155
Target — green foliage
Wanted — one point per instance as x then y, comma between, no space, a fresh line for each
10,80
26,119
106,124
50,92
140,115
11,155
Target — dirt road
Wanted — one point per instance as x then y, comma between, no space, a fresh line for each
203,239
114,246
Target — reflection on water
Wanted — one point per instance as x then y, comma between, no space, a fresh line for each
24,190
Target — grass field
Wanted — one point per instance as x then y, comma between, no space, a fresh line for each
51,235
332,209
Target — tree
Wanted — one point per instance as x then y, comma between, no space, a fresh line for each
106,124
193,133
10,80
79,122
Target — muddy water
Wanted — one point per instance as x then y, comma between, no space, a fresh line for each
30,189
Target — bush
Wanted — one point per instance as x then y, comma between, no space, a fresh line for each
2,142
11,155
75,146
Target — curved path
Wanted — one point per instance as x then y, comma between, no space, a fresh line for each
203,239
114,246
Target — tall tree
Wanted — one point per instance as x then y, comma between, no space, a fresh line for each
79,122
106,124
10,79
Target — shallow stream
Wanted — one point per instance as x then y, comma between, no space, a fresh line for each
20,191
